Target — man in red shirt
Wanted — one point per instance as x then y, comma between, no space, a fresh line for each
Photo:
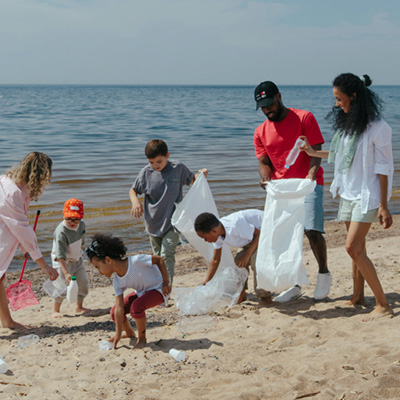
273,141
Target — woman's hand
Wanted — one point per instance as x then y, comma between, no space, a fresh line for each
385,218
307,147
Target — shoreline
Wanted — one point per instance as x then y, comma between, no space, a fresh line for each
335,236
302,349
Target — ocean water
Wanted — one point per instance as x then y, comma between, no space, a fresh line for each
96,137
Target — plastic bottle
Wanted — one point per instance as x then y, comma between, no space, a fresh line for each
3,366
25,341
72,290
105,345
294,153
196,324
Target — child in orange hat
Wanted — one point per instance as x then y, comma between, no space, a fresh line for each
67,254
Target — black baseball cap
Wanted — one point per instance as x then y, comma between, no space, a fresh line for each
264,94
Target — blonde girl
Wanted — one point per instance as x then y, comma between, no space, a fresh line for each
18,187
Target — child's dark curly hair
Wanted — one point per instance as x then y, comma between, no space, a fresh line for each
105,245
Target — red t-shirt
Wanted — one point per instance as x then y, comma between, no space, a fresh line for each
276,139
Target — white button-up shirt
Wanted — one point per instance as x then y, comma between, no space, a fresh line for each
14,224
375,145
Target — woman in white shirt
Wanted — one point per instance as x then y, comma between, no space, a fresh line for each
362,152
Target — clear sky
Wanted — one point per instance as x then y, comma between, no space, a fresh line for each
218,42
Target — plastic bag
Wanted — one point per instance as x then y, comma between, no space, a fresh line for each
280,249
221,291
228,281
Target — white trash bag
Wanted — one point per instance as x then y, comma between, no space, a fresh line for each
223,290
280,248
228,281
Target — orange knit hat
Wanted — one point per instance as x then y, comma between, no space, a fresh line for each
73,208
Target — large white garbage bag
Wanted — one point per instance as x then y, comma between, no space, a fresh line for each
280,249
228,281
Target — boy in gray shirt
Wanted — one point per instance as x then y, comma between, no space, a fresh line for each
67,253
161,182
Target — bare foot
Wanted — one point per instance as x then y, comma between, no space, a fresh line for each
141,344
242,297
264,302
15,326
123,336
57,315
378,312
81,310
356,302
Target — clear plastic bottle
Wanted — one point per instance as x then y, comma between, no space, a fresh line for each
294,153
3,366
72,290
27,340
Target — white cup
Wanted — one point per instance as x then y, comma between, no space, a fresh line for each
177,355
3,366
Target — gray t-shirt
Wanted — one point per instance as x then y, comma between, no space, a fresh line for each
161,189
67,243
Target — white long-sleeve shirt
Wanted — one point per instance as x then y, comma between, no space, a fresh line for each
14,224
373,157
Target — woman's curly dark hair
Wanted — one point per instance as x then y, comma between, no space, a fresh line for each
105,245
365,105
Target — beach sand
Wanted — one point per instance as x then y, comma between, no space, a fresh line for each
299,350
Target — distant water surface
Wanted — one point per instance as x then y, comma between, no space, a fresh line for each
96,137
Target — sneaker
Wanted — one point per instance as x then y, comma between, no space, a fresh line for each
323,286
288,295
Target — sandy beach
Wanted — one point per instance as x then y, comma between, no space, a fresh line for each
304,349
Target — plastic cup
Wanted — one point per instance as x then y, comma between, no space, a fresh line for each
177,355
105,345
55,288
3,366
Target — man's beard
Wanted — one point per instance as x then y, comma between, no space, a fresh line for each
277,115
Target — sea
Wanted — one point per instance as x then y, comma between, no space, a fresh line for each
96,134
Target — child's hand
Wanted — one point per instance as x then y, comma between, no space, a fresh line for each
166,288
115,339
137,209
51,272
242,261
68,278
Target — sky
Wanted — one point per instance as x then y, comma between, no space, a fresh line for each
201,42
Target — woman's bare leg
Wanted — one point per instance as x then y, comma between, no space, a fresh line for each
355,247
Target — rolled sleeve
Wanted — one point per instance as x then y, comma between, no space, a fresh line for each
383,151
14,216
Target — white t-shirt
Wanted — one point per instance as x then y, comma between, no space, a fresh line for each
351,182
239,228
141,275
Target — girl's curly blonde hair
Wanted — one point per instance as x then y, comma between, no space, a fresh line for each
33,171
